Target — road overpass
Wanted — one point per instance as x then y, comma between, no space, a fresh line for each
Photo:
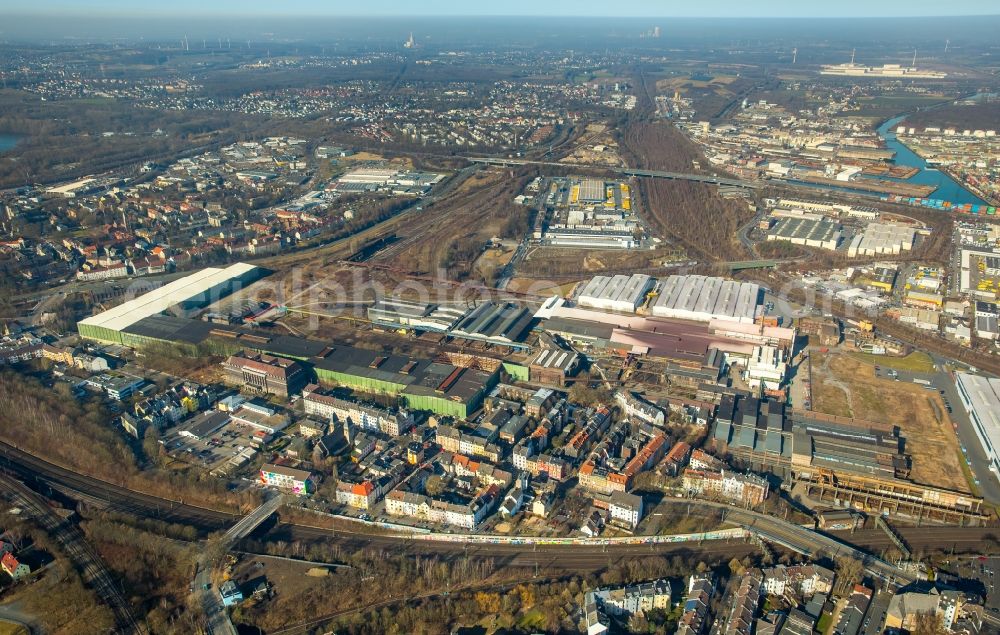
740,265
656,174
209,598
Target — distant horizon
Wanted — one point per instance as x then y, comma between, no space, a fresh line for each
580,29
433,16
641,9
425,16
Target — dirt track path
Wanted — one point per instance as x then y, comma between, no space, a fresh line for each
830,380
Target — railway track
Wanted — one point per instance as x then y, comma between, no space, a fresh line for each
33,470
92,569
977,540
459,210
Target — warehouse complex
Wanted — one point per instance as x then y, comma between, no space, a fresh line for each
591,238
703,299
500,323
585,213
981,399
399,313
803,231
616,293
420,384
180,297
686,342
882,238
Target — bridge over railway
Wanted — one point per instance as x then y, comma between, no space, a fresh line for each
656,174
211,603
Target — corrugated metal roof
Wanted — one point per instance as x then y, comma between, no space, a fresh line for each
603,290
159,300
981,396
701,297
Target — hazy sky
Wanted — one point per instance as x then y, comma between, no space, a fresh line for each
617,8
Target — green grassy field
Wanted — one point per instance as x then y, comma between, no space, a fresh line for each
915,362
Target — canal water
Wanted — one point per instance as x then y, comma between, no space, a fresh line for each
947,189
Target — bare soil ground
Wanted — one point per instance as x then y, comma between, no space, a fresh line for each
491,261
531,285
846,386
556,263
288,578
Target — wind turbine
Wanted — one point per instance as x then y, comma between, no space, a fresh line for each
795,54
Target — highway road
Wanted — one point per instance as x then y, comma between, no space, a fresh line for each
657,174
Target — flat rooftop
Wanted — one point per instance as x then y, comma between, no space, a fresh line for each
419,376
204,286
704,297
981,398
805,229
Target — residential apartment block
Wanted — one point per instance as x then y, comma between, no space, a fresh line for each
364,416
287,478
745,489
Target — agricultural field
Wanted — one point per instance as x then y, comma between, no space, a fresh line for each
846,386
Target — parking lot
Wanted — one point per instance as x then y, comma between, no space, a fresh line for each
982,572
221,453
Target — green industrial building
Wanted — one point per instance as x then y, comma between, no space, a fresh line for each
420,384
